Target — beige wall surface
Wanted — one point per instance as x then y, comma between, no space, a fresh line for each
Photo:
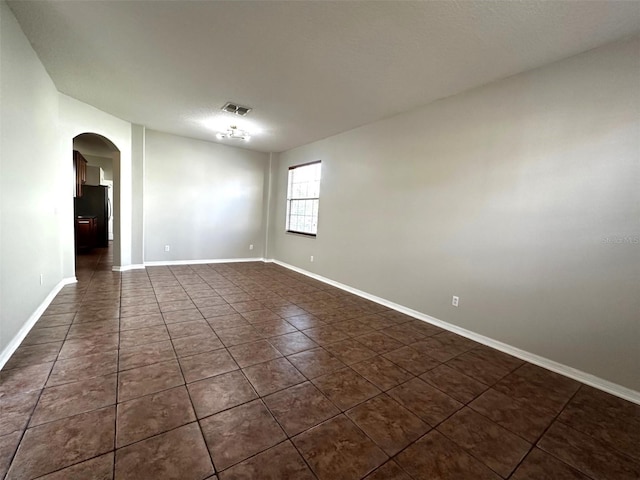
31,181
521,197
204,199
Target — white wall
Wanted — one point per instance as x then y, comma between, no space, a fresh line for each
204,199
31,173
505,196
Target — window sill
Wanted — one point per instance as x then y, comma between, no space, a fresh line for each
301,234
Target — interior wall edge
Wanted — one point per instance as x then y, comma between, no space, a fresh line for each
13,345
573,373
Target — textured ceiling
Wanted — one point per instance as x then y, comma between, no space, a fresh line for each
310,69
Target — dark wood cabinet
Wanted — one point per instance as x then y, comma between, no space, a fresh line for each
79,172
86,232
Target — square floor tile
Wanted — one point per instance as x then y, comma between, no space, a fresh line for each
411,360
305,321
379,342
388,471
238,433
140,321
146,416
609,419
300,407
24,379
179,454
78,347
15,409
25,356
218,311
538,388
45,335
73,398
274,328
338,450
346,388
587,455
260,316
272,376
486,365
316,362
91,329
487,441
292,343
192,345
80,368
191,314
427,402
56,320
148,379
350,351
540,465
238,335
278,463
325,335
404,333
208,364
353,328
227,321
98,468
515,416
73,440
144,309
214,394
8,445
142,336
434,457
453,383
252,353
141,355
381,372
186,329
176,305
387,423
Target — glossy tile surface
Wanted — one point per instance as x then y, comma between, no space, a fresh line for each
251,371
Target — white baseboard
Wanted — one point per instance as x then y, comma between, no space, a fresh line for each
579,375
199,262
31,321
126,268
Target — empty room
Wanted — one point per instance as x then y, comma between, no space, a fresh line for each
334,240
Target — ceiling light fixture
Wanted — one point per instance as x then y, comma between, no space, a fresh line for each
234,133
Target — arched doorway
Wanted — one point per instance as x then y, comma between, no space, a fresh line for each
96,203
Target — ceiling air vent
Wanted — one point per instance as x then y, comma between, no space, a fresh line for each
235,109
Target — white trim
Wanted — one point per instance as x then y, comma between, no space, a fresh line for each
199,262
126,268
9,350
579,375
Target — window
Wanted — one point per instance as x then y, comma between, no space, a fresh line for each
303,197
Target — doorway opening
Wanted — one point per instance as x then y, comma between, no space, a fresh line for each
96,165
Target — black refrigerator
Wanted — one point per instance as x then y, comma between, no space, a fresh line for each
95,202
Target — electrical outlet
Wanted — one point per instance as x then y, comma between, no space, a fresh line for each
42,279
251,247
167,248
455,301
312,258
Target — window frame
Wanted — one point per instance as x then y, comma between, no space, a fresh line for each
289,199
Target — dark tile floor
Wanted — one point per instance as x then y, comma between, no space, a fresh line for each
250,371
